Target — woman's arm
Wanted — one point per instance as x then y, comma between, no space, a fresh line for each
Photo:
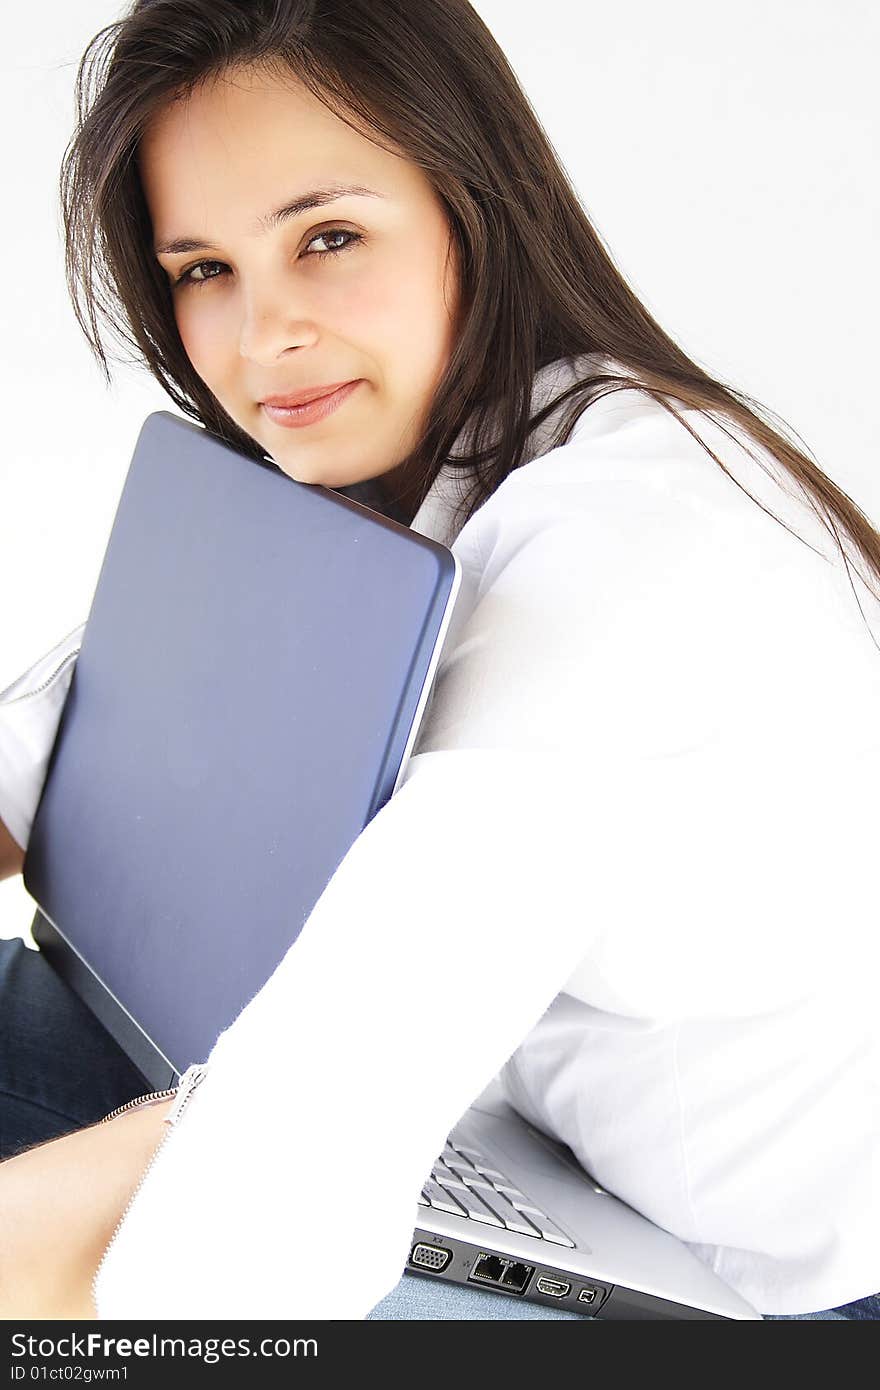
60,1203
449,927
11,854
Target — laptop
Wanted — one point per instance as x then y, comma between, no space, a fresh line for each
253,672
260,645
509,1208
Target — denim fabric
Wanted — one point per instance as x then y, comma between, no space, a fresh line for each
422,1298
59,1067
60,1070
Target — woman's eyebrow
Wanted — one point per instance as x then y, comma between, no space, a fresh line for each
305,202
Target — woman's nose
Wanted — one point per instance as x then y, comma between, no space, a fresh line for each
272,323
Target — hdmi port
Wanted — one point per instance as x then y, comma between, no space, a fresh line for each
554,1287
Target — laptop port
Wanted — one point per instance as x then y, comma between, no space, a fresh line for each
554,1287
433,1257
503,1273
588,1295
516,1277
487,1267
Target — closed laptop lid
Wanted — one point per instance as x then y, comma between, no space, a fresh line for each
255,664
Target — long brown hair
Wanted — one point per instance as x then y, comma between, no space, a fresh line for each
536,282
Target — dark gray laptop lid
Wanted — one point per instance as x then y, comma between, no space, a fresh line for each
255,664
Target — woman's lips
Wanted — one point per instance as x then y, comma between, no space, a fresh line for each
293,417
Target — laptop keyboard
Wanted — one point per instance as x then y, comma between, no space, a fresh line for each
464,1183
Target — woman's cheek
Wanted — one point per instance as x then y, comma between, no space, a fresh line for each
357,302
202,333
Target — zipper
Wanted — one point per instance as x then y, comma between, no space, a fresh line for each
26,694
192,1077
150,1098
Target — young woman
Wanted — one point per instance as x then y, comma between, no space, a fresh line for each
629,848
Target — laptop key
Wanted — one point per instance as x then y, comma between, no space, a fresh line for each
443,1200
475,1208
482,1165
514,1220
447,1153
457,1163
523,1203
423,1201
475,1180
445,1175
475,1155
513,1194
499,1179
518,1200
549,1230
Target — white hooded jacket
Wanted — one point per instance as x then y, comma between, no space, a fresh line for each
632,857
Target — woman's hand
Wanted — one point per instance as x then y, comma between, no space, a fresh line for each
60,1204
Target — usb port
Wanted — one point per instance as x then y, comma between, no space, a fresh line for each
554,1287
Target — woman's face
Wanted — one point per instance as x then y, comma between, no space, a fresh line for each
261,311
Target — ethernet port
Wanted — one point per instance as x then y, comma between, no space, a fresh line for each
503,1273
517,1276
488,1268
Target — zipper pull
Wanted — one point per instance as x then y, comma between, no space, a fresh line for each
192,1077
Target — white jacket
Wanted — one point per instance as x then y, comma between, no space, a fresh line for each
634,853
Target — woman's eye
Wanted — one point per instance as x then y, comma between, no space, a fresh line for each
330,236
185,278
188,277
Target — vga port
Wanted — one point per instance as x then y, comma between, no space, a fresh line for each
433,1257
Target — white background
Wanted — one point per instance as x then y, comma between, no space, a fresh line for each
726,153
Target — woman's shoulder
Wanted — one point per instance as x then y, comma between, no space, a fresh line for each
628,437
636,495
631,459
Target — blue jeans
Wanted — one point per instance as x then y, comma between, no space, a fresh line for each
60,1070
